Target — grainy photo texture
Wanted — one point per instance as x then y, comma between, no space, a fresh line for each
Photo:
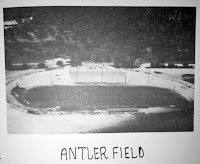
99,69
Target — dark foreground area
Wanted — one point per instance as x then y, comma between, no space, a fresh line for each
178,121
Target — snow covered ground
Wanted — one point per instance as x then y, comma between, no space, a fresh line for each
21,122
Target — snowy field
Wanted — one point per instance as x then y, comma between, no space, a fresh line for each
20,121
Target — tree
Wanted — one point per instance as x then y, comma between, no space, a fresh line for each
41,65
60,64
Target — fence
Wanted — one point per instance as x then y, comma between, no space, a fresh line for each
98,76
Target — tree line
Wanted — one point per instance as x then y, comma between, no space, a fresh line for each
101,34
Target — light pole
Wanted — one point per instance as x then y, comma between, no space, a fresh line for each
125,76
51,76
102,76
77,75
148,76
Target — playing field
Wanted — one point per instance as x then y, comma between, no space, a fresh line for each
77,97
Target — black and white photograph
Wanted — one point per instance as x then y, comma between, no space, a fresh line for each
99,69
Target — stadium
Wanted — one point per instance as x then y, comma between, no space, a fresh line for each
99,69
101,90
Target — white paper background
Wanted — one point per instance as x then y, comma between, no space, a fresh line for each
181,147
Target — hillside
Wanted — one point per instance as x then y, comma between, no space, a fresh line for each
100,34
